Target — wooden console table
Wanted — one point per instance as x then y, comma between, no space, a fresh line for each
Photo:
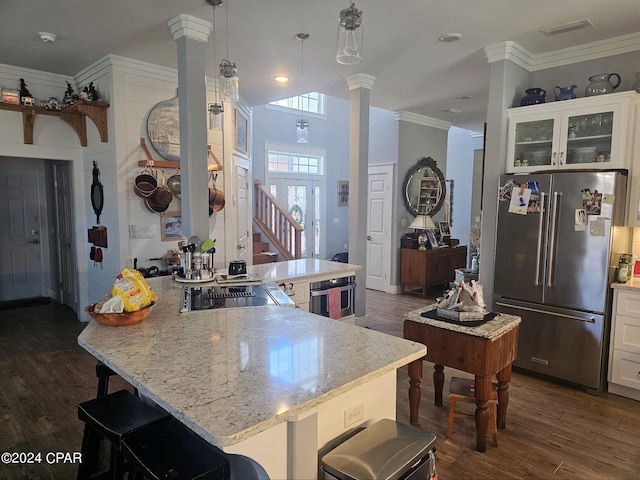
484,351
429,268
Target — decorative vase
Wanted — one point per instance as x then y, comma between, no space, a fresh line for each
533,96
636,85
564,93
600,84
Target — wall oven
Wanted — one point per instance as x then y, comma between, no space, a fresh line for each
319,296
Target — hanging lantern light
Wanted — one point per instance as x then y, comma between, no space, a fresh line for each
215,109
302,125
350,36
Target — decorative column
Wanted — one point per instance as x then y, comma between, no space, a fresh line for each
191,34
360,95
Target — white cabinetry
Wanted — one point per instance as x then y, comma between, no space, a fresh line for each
298,291
593,132
624,351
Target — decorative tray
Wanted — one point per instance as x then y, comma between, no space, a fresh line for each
460,316
433,314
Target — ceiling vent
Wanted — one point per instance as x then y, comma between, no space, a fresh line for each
567,27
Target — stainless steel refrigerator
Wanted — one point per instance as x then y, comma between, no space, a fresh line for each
554,263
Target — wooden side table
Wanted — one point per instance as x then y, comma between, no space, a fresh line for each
429,268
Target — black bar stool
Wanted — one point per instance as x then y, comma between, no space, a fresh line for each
114,416
171,450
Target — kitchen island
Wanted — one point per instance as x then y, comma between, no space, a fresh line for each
273,383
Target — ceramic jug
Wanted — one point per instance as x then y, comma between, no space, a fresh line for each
564,93
533,96
601,84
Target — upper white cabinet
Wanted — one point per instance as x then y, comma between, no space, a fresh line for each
593,132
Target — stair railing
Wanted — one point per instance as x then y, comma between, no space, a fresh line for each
282,230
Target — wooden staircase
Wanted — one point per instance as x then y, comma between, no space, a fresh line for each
259,247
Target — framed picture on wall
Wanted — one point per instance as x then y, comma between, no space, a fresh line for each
171,226
343,193
242,132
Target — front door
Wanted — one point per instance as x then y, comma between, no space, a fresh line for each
21,269
303,200
64,232
378,226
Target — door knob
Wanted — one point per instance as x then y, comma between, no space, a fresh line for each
368,237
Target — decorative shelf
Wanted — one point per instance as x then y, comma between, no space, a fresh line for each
150,162
75,115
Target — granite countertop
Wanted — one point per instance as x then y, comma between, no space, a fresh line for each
633,284
232,373
490,330
306,268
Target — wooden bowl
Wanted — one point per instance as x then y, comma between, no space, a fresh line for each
119,319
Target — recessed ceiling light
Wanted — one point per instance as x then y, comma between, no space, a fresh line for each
281,78
47,37
567,27
464,97
450,37
451,110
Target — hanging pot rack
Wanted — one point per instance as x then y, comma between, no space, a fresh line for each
150,162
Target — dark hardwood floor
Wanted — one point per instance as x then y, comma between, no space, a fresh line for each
553,431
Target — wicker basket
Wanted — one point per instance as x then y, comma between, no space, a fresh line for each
119,319
460,316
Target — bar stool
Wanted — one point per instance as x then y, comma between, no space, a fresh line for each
462,390
171,450
113,416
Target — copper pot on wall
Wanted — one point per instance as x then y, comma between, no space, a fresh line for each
216,200
145,185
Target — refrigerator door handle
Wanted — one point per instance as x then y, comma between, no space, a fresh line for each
539,247
552,239
555,314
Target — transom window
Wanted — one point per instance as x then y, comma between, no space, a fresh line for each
283,162
312,102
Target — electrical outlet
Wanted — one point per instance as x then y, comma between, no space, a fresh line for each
354,414
345,246
133,232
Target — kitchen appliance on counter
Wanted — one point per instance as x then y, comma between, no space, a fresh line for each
553,268
319,296
213,296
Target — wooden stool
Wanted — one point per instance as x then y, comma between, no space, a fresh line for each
112,416
462,390
171,450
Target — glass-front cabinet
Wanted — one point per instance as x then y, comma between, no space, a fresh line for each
593,132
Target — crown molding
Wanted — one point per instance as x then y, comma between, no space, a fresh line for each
360,80
566,56
190,27
422,120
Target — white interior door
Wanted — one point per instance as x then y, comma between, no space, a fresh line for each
64,232
378,226
21,269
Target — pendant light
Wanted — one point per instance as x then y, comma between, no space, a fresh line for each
215,109
302,125
229,72
350,36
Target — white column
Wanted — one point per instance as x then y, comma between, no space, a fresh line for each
360,94
191,34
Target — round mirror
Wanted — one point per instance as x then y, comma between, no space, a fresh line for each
424,188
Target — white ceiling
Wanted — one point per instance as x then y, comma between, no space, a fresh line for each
413,71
